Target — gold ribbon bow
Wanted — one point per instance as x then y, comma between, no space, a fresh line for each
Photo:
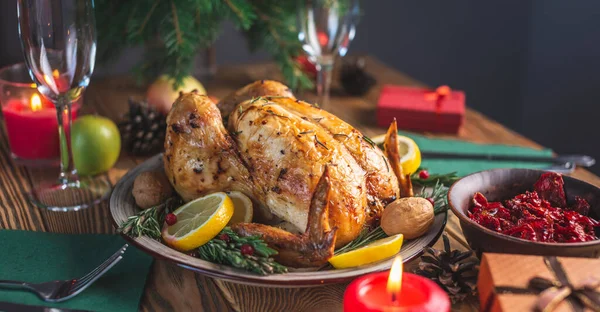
552,292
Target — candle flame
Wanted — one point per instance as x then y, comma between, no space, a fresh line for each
36,102
394,284
33,85
55,73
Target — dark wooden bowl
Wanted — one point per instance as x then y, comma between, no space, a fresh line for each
501,184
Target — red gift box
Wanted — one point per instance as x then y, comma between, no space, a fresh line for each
421,109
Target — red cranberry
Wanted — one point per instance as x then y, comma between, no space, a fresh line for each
171,219
431,201
224,237
247,250
424,174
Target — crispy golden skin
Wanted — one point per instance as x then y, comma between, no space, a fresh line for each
308,167
253,90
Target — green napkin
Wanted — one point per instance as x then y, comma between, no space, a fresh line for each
40,257
464,167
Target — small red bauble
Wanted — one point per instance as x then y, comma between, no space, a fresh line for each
225,238
424,174
247,250
431,201
171,219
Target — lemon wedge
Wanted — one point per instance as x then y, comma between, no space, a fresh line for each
198,221
410,155
242,207
378,250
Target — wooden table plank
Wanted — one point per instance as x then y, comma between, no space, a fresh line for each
173,288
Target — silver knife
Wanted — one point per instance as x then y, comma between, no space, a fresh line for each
16,307
579,160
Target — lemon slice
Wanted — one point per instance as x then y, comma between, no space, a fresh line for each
410,155
378,250
198,221
242,207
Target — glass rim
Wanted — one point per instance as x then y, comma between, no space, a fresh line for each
16,66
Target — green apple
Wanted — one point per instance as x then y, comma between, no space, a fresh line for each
96,144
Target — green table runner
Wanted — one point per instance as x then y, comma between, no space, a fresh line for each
40,257
464,167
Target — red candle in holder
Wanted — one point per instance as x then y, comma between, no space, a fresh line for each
32,128
30,119
394,291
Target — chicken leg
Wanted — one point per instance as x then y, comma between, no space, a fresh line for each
311,249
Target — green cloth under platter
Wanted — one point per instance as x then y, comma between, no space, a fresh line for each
464,167
40,257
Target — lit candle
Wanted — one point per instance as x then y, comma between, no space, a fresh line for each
32,127
394,291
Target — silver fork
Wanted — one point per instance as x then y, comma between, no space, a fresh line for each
58,291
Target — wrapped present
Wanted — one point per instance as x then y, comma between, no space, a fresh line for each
538,283
421,109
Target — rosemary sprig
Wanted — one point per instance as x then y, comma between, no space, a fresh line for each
225,248
439,196
445,179
320,143
365,237
369,141
148,222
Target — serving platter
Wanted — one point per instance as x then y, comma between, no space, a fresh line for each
122,206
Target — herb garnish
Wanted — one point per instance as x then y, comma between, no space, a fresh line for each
369,141
225,248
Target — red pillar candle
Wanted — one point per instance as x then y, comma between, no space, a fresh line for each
32,127
411,293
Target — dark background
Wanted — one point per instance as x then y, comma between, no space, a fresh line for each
531,65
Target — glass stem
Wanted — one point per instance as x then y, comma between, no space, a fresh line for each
68,173
324,72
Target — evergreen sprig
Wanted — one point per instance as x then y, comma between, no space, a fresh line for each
174,30
225,248
439,196
446,179
148,222
365,237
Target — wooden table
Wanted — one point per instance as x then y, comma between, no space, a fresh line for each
170,288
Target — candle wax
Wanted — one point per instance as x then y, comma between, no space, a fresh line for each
33,134
369,293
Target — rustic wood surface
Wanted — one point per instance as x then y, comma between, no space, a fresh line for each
170,288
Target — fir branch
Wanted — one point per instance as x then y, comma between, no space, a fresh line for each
225,248
147,18
176,23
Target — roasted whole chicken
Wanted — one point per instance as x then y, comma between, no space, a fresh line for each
315,180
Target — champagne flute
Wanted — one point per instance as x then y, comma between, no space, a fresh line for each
326,29
59,44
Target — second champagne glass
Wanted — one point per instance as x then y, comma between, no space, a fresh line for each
59,44
326,29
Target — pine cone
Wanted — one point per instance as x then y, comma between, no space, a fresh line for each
143,129
455,271
355,80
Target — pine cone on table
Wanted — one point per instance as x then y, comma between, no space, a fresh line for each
455,271
143,129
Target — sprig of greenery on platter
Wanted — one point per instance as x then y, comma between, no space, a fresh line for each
445,179
365,237
226,248
148,222
439,196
